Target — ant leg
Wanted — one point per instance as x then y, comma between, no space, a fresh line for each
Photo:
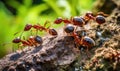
76,28
19,49
13,49
16,33
64,33
36,32
84,31
21,34
45,24
31,33
88,54
23,37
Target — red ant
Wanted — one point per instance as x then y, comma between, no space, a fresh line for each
81,21
99,18
38,27
31,41
84,40
78,21
42,28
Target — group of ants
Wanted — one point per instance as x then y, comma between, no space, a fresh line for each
70,29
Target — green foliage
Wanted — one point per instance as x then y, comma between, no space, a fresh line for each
34,11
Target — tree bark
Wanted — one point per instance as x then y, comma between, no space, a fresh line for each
50,56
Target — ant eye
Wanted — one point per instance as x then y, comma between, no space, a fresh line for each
27,27
78,21
69,29
58,20
100,19
16,40
38,39
52,32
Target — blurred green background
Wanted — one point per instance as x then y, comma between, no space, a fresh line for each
14,14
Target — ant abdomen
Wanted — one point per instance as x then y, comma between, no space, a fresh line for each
38,39
16,40
27,27
79,21
52,32
87,41
58,20
100,19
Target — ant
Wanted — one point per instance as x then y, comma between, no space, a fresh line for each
99,18
52,32
81,21
31,41
38,27
78,21
83,40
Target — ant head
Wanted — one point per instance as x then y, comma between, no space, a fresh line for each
38,39
58,20
78,21
100,19
88,14
16,40
27,27
87,41
69,29
53,32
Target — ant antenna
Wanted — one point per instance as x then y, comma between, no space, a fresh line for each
24,37
37,32
31,32
21,34
16,33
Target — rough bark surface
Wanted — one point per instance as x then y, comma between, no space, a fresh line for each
50,56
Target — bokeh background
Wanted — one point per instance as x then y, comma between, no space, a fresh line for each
15,14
